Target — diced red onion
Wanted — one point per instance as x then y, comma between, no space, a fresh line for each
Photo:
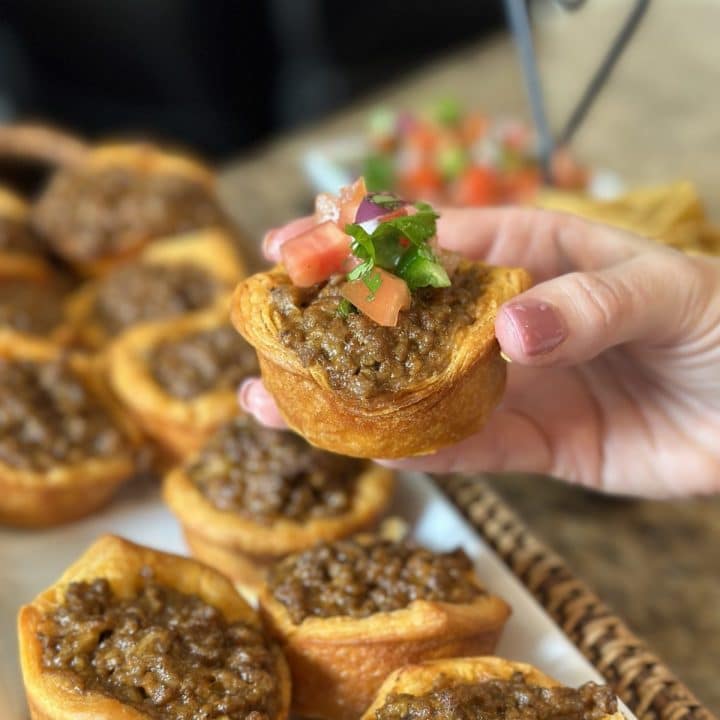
369,226
369,210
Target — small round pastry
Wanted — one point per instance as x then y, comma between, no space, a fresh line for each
130,633
348,613
103,210
33,305
179,379
398,356
253,495
486,688
63,449
21,251
171,278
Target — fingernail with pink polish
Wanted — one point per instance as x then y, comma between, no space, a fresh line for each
537,324
269,246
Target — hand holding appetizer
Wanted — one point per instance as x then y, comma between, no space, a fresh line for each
615,353
373,341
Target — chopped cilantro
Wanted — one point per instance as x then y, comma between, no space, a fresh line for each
387,201
400,245
447,111
345,307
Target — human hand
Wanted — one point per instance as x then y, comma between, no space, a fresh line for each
615,374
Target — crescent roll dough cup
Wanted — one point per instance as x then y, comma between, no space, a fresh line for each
242,547
208,250
43,284
435,675
53,695
68,490
27,263
426,416
338,663
140,160
180,425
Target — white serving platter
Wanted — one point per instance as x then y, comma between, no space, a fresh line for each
32,560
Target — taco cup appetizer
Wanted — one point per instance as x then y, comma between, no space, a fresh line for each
372,341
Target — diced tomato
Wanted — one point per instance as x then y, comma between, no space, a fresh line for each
522,185
385,304
473,127
340,208
423,182
567,172
516,135
316,254
350,198
478,185
327,207
422,136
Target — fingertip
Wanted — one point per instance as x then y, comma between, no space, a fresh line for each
255,400
271,248
508,338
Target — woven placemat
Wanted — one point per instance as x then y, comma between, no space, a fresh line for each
638,676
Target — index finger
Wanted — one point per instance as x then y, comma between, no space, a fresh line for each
547,243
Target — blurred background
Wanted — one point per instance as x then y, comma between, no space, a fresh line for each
218,75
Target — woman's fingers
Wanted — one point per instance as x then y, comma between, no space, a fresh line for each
274,239
255,400
655,297
544,242
511,441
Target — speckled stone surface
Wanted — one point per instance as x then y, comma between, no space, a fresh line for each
657,564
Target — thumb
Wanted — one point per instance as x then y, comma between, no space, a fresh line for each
652,297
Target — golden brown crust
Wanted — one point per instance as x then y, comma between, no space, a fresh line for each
44,143
210,250
338,663
14,263
436,674
432,414
37,272
52,696
12,206
242,548
180,426
142,159
36,499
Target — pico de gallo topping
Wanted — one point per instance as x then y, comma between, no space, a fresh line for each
456,157
385,251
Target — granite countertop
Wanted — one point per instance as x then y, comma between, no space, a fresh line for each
655,563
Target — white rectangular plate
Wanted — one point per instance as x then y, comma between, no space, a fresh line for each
32,560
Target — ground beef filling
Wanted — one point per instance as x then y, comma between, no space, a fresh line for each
363,358
360,577
215,359
17,237
265,474
30,307
87,214
47,417
512,699
144,292
168,654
